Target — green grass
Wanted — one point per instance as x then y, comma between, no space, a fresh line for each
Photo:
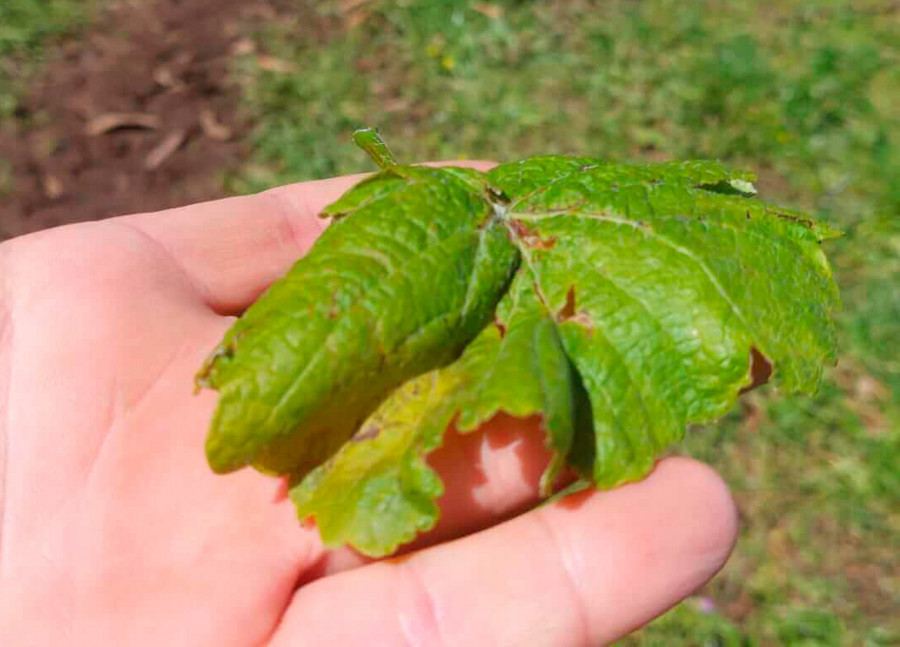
804,92
26,26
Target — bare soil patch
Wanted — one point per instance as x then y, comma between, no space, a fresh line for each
137,113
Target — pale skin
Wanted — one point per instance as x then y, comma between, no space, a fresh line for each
115,531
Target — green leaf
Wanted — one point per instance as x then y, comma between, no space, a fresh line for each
669,287
393,291
378,492
517,365
617,303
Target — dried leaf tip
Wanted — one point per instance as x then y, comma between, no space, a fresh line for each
370,141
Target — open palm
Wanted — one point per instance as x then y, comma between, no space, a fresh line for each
115,531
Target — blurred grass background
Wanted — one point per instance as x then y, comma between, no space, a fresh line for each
806,93
26,26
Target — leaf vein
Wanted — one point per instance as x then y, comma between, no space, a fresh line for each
298,380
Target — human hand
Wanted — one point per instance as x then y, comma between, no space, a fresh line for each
113,530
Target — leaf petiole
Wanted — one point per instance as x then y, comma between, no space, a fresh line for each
370,141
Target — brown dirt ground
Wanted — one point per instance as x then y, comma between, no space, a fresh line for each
75,158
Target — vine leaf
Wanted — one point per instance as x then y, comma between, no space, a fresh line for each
619,303
385,294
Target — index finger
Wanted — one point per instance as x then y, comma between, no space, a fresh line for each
233,249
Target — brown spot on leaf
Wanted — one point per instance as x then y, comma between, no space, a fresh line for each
806,222
569,313
541,243
760,370
568,310
500,327
530,237
521,228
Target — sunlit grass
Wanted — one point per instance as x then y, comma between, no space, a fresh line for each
803,92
